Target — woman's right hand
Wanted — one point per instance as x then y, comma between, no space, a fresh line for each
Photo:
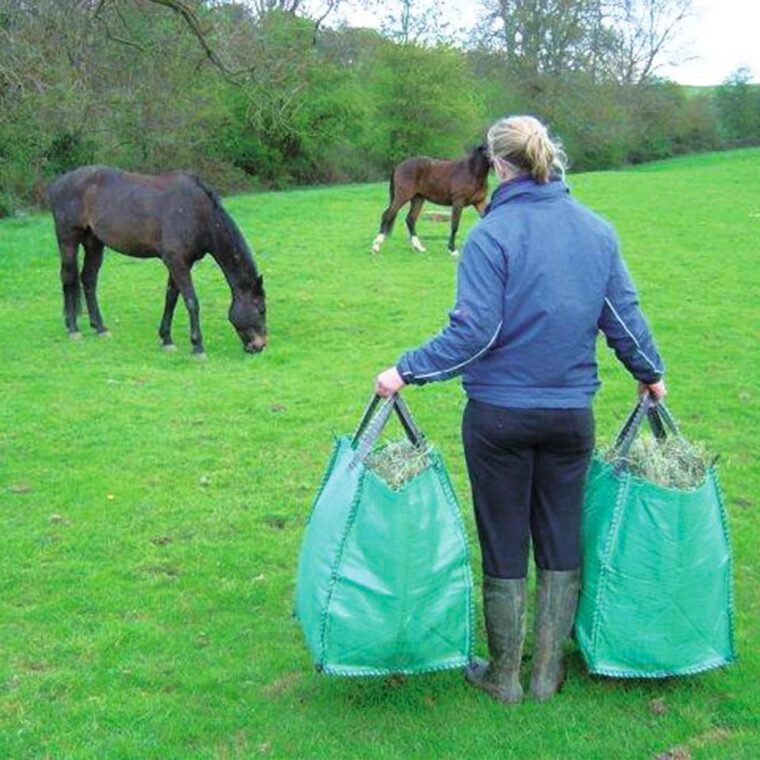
389,382
658,389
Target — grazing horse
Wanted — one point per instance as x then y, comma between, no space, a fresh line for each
174,217
459,183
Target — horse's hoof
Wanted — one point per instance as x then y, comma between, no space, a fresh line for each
199,355
168,347
417,244
104,334
377,242
454,254
76,335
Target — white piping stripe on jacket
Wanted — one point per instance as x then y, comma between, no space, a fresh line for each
633,337
461,364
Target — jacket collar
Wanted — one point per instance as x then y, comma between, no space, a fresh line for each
525,188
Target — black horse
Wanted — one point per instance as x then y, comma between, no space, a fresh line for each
174,217
458,184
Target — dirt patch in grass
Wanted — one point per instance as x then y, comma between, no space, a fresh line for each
283,684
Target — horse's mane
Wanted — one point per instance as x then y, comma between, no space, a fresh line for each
225,224
479,161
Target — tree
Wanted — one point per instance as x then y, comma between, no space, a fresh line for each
425,101
645,31
415,21
625,40
540,37
738,103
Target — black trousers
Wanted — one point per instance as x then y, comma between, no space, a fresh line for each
527,468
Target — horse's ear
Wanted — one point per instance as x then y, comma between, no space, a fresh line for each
260,280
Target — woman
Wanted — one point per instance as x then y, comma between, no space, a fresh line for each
540,275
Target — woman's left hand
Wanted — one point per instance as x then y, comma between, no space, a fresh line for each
389,382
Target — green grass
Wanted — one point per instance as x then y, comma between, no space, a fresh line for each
152,505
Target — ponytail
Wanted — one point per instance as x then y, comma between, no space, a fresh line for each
524,142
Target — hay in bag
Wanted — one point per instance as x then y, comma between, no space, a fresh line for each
656,597
384,583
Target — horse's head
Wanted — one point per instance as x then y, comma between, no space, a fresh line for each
248,315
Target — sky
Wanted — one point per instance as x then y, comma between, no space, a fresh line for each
720,36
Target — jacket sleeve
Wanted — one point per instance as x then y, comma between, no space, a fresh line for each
624,326
475,321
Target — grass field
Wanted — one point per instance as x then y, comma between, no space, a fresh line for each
152,505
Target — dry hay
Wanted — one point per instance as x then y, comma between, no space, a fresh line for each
673,462
397,462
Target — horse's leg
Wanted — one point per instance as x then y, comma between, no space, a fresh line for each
411,222
93,259
456,212
165,330
68,246
398,198
180,273
386,224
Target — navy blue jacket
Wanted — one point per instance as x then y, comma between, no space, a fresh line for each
540,275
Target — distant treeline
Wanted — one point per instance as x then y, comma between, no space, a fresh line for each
129,84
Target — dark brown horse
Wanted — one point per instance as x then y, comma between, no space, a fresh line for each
174,217
457,184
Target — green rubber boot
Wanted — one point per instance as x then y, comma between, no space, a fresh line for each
504,607
557,600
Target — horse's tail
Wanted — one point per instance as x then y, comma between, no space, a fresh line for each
388,223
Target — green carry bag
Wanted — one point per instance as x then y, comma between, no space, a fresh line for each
384,584
656,596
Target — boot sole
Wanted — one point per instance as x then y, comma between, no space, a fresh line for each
493,691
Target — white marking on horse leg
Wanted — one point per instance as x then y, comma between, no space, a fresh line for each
454,253
377,243
417,244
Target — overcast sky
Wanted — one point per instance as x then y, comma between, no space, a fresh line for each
720,36
724,36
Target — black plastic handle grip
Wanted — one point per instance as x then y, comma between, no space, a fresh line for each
374,420
660,421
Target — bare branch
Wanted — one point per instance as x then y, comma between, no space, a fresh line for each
192,20
190,17
109,34
331,6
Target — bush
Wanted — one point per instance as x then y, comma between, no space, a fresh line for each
8,203
423,100
66,151
347,108
738,106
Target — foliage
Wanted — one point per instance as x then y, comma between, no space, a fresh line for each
424,101
738,103
255,95
152,506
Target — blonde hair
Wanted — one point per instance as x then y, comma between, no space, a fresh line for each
524,142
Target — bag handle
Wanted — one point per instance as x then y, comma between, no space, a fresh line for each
660,421
372,423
